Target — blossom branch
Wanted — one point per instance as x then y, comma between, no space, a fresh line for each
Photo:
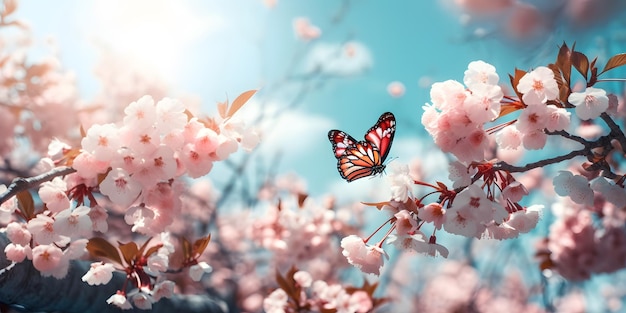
516,169
616,131
20,184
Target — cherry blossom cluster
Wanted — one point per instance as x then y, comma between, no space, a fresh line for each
299,292
483,199
138,165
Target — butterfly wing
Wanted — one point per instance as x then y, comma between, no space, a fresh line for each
340,141
381,134
363,158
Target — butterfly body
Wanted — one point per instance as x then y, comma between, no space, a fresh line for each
358,159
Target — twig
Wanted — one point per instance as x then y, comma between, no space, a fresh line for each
20,184
515,169
615,130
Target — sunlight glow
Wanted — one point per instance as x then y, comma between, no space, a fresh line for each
155,33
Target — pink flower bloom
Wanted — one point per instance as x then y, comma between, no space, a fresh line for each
534,140
197,270
102,141
42,229
396,89
400,181
140,114
53,194
590,103
447,95
509,138
73,223
18,234
558,118
514,191
157,262
120,187
373,261
120,301
196,164
608,189
303,279
18,253
433,213
360,302
48,259
275,301
142,142
538,86
140,217
525,220
159,166
369,259
170,115
483,104
575,186
164,289
460,174
142,300
10,205
205,141
304,30
480,73
99,273
405,223
87,166
98,216
226,146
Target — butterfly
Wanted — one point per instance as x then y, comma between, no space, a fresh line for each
358,159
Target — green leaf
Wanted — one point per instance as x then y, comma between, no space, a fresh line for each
615,61
101,248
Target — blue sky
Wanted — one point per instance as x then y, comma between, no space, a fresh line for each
217,49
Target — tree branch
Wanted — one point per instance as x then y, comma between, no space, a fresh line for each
615,130
20,184
503,166
23,286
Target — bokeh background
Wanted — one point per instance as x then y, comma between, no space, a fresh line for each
334,71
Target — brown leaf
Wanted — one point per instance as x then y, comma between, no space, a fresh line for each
515,81
564,62
26,204
378,205
9,7
129,251
509,108
301,198
144,246
240,101
201,244
286,284
580,63
186,249
101,248
221,108
615,61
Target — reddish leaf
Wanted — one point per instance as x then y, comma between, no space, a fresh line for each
286,284
200,245
564,62
144,246
129,251
26,204
580,63
615,61
508,108
240,101
378,205
101,248
152,250
301,198
515,81
186,249
9,7
221,108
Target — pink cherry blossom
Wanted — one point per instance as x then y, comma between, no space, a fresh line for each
87,166
48,259
164,289
102,141
276,301
304,30
396,89
575,186
53,194
433,213
170,115
480,73
42,229
18,253
18,234
140,114
538,86
610,191
99,273
142,300
98,216
73,223
534,139
197,270
590,103
509,137
120,187
400,181
120,301
514,191
303,279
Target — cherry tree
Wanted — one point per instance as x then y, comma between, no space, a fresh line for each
104,209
